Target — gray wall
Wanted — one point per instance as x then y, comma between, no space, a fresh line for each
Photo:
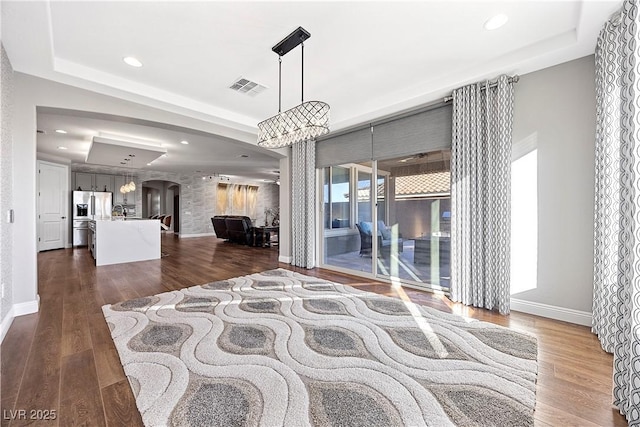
554,112
6,229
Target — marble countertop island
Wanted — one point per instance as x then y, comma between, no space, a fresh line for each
120,241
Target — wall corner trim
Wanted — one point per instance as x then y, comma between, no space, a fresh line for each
552,312
16,310
6,324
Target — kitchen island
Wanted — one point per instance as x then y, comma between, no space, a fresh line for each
119,241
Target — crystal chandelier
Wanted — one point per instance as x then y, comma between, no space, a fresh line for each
308,120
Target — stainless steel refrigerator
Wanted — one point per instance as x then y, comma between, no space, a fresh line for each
87,206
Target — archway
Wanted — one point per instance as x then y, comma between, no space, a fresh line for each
162,199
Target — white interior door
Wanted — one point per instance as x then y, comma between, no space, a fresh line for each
53,203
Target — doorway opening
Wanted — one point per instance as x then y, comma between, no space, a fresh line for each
161,200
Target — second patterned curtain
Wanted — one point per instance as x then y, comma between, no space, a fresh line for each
616,293
303,175
481,194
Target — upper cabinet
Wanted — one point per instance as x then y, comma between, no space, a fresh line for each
122,198
118,197
84,181
104,183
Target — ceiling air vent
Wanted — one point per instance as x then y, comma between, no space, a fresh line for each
243,85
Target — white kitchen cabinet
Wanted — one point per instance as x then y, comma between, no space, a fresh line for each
120,198
104,182
84,181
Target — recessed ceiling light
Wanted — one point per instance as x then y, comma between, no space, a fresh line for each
134,62
60,147
496,22
61,131
148,164
184,142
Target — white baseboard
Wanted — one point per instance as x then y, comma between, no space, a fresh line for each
285,259
6,324
28,307
185,236
16,310
551,311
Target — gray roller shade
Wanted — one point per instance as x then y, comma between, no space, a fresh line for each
346,148
419,133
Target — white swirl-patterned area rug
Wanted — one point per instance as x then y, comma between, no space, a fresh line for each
279,348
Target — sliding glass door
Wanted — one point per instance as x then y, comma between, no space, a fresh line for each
416,244
399,225
347,202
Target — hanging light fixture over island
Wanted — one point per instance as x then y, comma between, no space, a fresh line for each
128,186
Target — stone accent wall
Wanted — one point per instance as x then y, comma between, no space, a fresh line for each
6,181
197,196
268,198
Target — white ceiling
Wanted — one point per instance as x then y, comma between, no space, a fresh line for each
119,153
366,59
206,154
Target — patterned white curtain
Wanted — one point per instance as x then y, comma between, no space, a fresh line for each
616,307
303,190
481,195
607,184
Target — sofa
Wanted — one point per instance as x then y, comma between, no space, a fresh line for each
385,238
238,229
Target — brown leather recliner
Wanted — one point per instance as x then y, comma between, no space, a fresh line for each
220,226
237,229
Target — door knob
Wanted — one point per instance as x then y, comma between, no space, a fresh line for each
63,217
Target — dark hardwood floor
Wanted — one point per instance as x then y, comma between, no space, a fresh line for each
62,358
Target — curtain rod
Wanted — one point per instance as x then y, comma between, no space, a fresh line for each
512,79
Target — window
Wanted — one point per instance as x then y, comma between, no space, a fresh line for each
337,197
364,196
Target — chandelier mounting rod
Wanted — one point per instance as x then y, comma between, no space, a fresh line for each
303,122
279,83
299,35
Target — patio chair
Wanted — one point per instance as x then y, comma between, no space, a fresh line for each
385,239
